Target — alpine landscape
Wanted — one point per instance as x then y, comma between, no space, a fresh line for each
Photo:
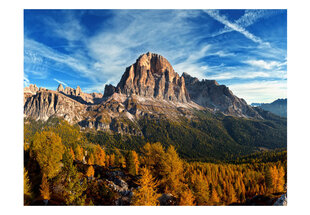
159,132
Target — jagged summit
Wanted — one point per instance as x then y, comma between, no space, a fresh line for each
153,76
208,93
60,88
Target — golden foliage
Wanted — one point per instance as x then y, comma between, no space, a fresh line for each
45,190
146,194
72,154
48,150
79,153
27,186
187,197
90,172
99,156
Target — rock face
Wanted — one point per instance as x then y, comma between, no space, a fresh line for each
153,76
77,94
148,88
30,91
60,88
208,93
47,103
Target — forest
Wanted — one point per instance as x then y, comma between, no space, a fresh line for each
64,166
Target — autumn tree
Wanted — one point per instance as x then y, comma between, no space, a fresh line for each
48,151
186,197
99,155
90,159
146,194
200,188
79,153
90,172
132,162
172,171
72,153
268,179
27,188
215,199
73,183
119,158
153,155
44,188
231,194
281,180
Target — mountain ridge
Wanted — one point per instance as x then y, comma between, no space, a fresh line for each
149,87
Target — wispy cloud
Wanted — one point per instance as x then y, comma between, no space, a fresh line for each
44,58
60,82
249,18
234,26
26,81
265,64
262,91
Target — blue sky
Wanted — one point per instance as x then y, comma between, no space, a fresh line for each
243,49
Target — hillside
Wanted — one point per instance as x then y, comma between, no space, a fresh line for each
278,107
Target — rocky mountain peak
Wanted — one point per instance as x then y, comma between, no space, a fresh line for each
208,93
60,88
31,89
153,76
78,91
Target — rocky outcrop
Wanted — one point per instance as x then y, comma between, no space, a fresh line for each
208,93
282,201
78,95
46,104
60,88
109,90
30,91
167,199
153,76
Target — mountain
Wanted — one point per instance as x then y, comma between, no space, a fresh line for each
77,94
153,76
208,93
278,107
202,119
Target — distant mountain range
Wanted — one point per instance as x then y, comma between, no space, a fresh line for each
152,102
278,107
